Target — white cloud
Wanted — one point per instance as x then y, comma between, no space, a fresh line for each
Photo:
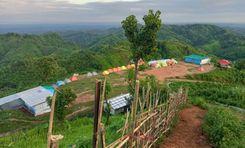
82,2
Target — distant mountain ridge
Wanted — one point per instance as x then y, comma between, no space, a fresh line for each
213,39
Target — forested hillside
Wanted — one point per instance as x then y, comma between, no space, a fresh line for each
209,38
30,60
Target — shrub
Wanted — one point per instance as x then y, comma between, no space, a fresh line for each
223,128
143,67
198,101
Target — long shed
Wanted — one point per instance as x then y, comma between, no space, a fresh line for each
33,100
197,59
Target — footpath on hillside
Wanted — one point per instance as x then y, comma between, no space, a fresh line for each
188,132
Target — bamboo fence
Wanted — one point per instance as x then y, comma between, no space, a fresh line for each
150,118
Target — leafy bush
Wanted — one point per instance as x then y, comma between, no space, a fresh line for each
223,128
198,101
233,76
222,93
143,67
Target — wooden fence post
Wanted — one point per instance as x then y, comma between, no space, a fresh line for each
96,113
51,118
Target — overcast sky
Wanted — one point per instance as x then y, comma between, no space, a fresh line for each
113,11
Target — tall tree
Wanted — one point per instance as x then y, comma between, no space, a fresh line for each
142,38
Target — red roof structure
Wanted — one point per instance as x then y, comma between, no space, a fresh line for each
224,62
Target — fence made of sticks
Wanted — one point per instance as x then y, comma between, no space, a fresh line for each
149,118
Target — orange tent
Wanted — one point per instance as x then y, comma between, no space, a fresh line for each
128,66
119,69
110,70
200,68
114,69
74,78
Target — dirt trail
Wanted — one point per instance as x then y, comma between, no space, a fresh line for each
188,133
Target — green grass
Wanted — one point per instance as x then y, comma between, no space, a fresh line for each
230,76
77,132
198,101
224,128
223,93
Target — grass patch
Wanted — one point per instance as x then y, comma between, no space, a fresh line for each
223,128
198,101
77,132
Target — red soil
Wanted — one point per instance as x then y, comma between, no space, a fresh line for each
179,70
83,97
188,132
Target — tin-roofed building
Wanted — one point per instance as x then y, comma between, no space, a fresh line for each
118,104
33,100
197,59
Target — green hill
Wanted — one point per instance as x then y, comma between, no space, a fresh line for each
30,60
222,42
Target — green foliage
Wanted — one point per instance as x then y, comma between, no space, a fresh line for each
143,67
223,93
130,79
240,64
77,132
63,98
223,128
198,101
142,38
213,39
231,76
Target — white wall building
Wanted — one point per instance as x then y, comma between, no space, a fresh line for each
34,100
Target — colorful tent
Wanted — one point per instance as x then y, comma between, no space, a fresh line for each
123,68
60,83
89,74
114,69
129,67
67,80
119,69
74,78
76,74
200,68
132,65
105,72
94,73
110,70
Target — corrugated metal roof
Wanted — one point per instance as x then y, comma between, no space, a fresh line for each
9,98
194,56
119,101
31,97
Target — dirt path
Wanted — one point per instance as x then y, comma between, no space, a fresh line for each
188,133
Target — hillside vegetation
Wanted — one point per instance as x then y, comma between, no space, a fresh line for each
30,60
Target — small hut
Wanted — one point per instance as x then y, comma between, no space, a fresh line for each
224,63
118,104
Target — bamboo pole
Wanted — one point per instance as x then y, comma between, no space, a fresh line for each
51,118
96,113
102,133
